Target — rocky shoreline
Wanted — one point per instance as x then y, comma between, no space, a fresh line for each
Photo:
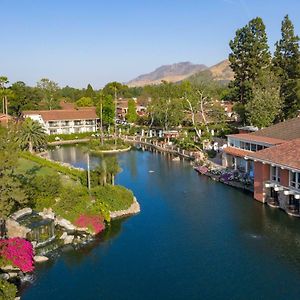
132,210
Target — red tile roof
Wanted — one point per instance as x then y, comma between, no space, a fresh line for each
287,130
254,138
287,154
71,114
237,152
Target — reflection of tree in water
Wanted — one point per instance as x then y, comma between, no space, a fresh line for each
74,257
132,164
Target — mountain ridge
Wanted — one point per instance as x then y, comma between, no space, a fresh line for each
185,71
171,73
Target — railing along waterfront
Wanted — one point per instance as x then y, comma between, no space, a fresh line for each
163,147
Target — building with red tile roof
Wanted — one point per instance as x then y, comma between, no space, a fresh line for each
273,156
65,121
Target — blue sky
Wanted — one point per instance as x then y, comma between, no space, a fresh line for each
79,42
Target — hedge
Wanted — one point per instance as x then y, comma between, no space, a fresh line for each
73,173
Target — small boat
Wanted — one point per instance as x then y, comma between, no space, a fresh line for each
151,171
177,158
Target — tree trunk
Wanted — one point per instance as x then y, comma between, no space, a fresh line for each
113,179
198,131
30,147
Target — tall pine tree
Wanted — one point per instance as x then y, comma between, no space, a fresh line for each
286,64
249,58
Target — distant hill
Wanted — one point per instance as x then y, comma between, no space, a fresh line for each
220,72
171,73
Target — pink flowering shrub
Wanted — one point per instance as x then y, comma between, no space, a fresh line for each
19,252
95,223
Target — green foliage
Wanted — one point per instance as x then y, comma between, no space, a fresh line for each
11,191
31,135
250,55
49,93
8,291
108,109
25,98
89,92
84,102
114,197
71,172
131,115
286,63
211,153
71,136
265,106
109,144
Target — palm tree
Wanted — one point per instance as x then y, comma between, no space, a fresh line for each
112,167
31,135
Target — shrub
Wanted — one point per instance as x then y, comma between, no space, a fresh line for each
8,290
71,136
94,223
19,252
113,197
211,153
47,185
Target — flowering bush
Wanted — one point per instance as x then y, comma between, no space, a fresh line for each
96,223
19,252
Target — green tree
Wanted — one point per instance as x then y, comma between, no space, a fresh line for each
84,102
25,98
286,63
31,135
248,58
49,92
265,105
89,92
5,93
11,191
131,115
108,109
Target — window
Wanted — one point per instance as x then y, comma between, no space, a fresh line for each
242,145
253,147
295,180
259,147
275,174
247,146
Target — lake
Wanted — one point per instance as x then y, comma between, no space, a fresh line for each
194,239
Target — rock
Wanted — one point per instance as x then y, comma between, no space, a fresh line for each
9,268
64,223
21,213
33,243
132,210
40,258
14,229
47,213
4,276
12,274
69,239
63,236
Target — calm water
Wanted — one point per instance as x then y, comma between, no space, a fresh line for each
194,239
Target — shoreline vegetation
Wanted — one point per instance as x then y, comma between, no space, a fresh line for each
68,206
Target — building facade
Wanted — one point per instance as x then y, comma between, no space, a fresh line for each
65,121
273,156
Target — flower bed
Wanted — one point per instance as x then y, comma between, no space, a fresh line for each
95,223
19,252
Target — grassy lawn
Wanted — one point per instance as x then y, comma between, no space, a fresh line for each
26,165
